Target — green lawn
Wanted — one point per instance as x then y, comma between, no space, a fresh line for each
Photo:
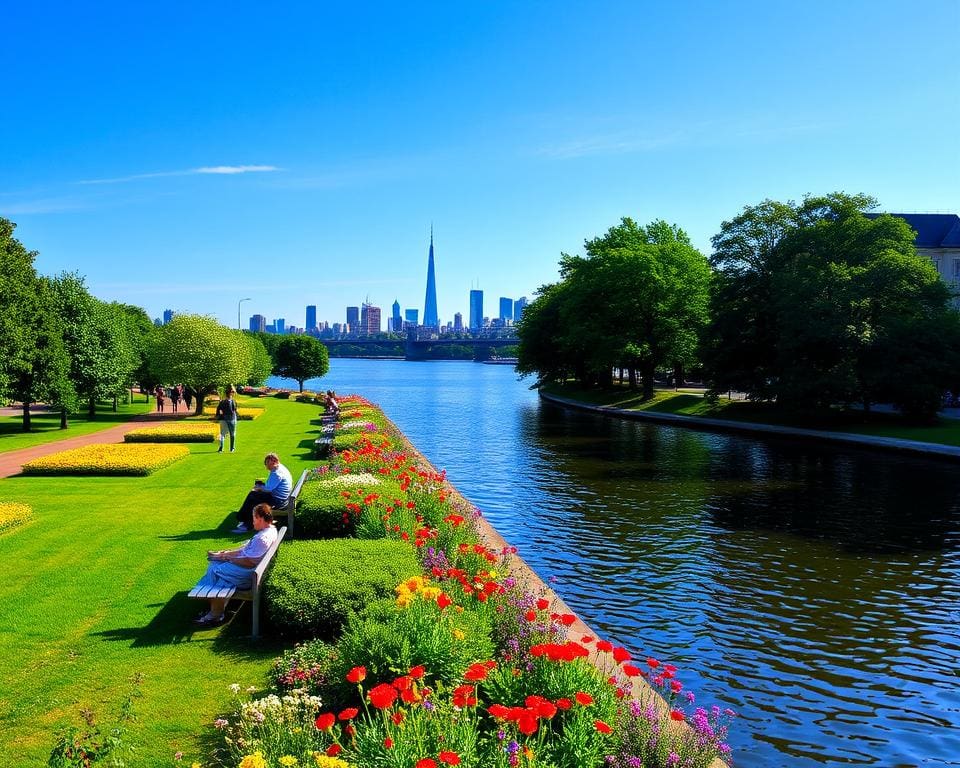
45,426
95,592
944,431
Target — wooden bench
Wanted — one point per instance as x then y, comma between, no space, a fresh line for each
323,444
205,592
290,506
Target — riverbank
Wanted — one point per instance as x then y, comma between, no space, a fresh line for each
677,409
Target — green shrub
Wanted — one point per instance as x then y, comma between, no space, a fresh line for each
323,512
315,586
307,665
282,394
388,641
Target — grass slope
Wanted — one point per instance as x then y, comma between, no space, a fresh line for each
95,592
944,431
45,426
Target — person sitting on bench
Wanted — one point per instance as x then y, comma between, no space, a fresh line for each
234,567
331,404
275,492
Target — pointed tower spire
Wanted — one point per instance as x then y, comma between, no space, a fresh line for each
430,317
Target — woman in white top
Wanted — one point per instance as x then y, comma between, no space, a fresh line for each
235,566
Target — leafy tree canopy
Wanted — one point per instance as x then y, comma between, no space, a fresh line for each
301,358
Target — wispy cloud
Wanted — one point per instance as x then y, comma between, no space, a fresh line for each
216,170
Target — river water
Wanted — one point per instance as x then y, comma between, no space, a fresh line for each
813,589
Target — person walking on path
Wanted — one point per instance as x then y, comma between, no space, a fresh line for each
275,492
176,393
158,391
227,415
187,396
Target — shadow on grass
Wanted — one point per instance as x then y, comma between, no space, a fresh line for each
173,624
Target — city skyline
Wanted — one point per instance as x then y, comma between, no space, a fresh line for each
151,153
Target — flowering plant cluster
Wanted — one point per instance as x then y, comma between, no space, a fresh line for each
13,514
108,459
182,432
466,666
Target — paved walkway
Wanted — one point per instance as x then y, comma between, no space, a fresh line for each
12,462
729,425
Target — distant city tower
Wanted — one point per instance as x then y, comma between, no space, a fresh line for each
430,317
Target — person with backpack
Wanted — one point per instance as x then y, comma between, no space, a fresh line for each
227,416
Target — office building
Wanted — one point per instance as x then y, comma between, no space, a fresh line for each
506,308
167,316
311,318
369,320
258,323
353,317
430,317
280,325
458,322
476,309
412,316
396,319
518,306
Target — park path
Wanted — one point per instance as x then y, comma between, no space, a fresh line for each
12,462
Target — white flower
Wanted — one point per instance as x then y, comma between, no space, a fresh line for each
235,687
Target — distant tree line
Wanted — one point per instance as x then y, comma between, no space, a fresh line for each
808,306
62,346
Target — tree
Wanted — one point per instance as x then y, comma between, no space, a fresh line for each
18,282
301,358
261,364
816,301
198,352
637,300
95,336
138,328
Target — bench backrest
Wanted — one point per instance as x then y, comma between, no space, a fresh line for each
265,560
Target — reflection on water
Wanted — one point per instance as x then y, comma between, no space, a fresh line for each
814,590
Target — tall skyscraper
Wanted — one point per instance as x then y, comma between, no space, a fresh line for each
280,324
412,316
476,309
258,323
353,319
458,322
369,319
506,308
430,316
167,316
518,306
311,318
397,322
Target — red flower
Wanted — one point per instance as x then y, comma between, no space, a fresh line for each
349,713
602,727
382,696
476,672
630,670
584,699
653,663
403,682
527,724
397,718
676,686
450,758
427,762
325,721
564,704
333,750
604,645
388,743
443,600
676,714
567,619
543,604
410,696
620,655
417,672
498,711
357,675
530,615
463,696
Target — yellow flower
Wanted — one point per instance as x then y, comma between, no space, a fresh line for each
325,761
196,765
253,761
458,634
430,593
288,761
404,602
108,459
12,514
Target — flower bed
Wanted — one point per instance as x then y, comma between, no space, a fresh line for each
183,432
467,665
243,414
113,459
13,514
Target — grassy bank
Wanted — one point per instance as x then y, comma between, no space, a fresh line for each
95,592
45,425
680,403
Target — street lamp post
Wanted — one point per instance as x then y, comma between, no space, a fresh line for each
238,311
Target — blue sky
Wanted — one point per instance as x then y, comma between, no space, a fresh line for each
187,155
